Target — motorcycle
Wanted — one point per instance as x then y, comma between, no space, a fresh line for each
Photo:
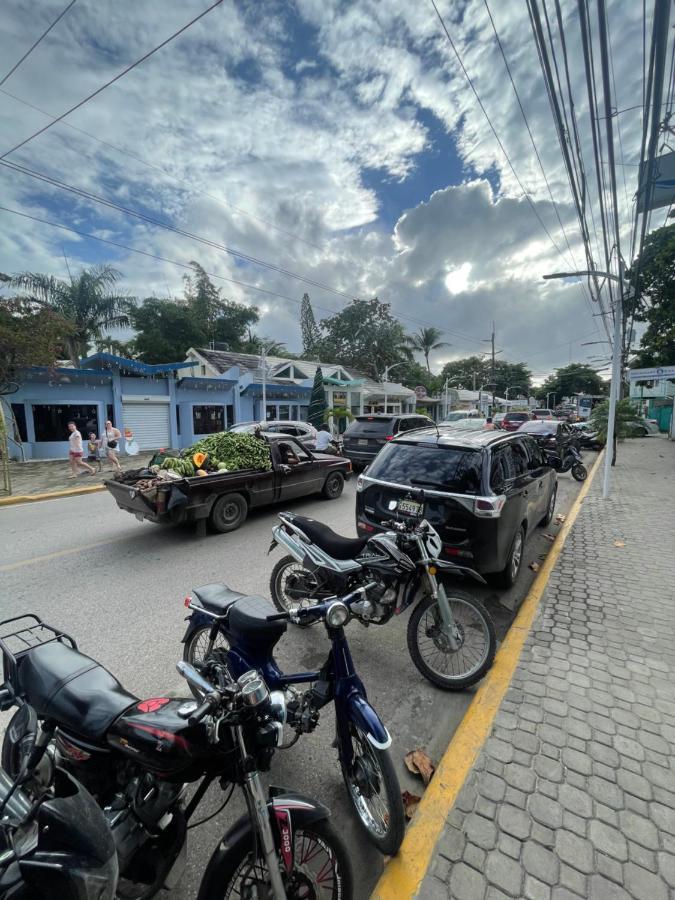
568,460
242,631
56,845
451,637
137,758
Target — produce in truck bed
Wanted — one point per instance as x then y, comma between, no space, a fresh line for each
182,467
233,451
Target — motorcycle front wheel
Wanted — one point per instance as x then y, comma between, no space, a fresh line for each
291,585
321,869
579,472
452,670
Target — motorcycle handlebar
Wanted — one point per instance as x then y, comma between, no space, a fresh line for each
203,710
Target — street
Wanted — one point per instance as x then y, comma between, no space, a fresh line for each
118,587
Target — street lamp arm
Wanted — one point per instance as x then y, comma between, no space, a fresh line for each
583,274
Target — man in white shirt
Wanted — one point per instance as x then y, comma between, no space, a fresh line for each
75,452
323,439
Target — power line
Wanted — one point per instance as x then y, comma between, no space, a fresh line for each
112,80
165,172
41,38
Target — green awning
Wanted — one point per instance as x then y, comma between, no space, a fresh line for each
357,382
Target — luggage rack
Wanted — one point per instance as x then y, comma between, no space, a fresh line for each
25,632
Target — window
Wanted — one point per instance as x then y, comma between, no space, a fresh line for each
51,421
229,414
502,468
534,452
284,412
440,468
19,416
521,459
177,420
208,419
270,413
289,451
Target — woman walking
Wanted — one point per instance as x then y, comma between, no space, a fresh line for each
111,439
75,452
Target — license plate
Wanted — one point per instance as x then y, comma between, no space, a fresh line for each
410,507
362,442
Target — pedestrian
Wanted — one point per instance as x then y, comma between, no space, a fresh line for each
75,452
110,440
323,439
93,451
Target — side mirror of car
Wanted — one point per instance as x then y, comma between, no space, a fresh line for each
285,470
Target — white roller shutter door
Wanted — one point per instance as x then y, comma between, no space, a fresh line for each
149,423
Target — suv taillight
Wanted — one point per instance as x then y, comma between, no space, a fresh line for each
489,507
389,437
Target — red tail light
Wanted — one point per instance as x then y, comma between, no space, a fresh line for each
365,526
187,602
389,437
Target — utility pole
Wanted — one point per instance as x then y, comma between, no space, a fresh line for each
263,363
491,341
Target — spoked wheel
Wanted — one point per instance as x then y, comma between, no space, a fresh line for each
321,869
291,585
579,472
198,647
431,649
375,792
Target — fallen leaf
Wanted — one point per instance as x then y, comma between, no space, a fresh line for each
549,537
560,518
535,566
619,543
410,803
418,762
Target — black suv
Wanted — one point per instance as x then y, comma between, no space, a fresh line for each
366,435
484,492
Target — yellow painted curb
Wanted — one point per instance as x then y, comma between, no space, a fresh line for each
404,872
54,495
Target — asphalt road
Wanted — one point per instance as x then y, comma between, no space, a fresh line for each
118,587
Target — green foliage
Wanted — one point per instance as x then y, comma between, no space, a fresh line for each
623,423
317,400
165,330
338,412
652,283
219,319
576,378
365,336
425,341
515,376
236,451
31,334
87,301
311,334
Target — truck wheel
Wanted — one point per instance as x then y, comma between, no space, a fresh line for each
333,485
228,513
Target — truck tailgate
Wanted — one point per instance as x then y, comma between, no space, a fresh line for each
132,500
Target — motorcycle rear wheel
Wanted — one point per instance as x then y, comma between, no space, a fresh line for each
291,584
452,670
579,472
321,868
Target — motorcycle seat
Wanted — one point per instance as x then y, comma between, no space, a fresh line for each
64,685
328,540
248,618
215,598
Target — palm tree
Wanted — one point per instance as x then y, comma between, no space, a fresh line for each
425,341
88,301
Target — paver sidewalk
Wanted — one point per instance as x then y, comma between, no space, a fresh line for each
52,475
573,794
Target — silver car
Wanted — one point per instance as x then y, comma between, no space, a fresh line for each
303,431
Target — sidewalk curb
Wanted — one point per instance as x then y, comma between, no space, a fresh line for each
403,874
54,495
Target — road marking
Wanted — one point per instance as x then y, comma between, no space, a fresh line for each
33,560
404,872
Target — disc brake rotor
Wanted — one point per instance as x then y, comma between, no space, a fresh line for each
441,639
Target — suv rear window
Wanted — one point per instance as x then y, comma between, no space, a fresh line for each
371,426
542,412
439,468
517,417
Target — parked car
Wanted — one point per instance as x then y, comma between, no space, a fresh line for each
643,427
461,414
366,435
303,431
543,413
224,498
513,420
484,493
472,424
498,419
551,433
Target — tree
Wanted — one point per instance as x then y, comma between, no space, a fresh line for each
474,371
219,319
317,400
576,378
88,301
31,334
624,422
255,344
365,336
425,341
165,330
652,297
311,334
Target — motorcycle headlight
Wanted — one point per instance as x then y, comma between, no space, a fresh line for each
337,614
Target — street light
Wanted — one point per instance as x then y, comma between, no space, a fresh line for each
386,379
616,364
445,393
490,384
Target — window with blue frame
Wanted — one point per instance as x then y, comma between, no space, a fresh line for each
51,420
208,419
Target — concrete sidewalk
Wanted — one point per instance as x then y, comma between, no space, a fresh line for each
573,793
45,476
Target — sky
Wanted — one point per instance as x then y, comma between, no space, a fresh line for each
338,141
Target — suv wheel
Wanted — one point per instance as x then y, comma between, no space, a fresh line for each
550,508
509,574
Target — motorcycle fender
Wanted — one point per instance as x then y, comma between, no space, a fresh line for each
284,806
459,570
194,622
363,715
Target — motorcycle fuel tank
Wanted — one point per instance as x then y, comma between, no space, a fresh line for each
158,737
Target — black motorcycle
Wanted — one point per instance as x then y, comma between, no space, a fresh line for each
137,758
55,845
569,459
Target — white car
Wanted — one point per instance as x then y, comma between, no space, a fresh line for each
459,414
303,431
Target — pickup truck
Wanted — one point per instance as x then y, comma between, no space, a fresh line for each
223,499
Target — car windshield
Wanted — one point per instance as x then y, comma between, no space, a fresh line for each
542,412
538,427
450,469
455,416
465,424
370,426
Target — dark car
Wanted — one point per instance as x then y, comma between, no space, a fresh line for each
513,420
484,492
366,435
552,434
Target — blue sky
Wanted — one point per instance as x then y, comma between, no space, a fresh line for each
337,140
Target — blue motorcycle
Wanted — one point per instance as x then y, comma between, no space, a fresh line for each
241,631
